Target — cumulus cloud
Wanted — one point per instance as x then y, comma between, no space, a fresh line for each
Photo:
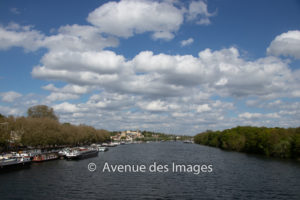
153,90
68,38
56,96
286,44
155,106
15,35
111,101
66,107
203,108
248,115
187,42
69,88
123,111
78,38
10,96
198,11
163,35
10,111
127,17
105,62
221,72
111,18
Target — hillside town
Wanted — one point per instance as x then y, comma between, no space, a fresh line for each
128,136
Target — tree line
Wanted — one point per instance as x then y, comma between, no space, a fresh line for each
275,142
42,129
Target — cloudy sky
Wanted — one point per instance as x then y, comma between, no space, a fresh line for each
173,66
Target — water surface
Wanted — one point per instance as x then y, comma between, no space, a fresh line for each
234,176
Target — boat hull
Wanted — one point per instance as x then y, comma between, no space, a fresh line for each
83,155
45,157
14,166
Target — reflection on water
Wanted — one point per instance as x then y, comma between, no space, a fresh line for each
234,176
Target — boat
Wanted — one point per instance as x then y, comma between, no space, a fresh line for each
14,163
81,153
45,157
29,153
112,144
188,142
62,153
99,147
104,144
102,149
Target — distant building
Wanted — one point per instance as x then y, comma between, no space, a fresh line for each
128,136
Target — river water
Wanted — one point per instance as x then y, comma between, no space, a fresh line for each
233,176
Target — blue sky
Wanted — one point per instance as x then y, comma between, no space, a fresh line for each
173,66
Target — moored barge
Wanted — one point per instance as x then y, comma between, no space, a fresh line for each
14,163
45,157
81,153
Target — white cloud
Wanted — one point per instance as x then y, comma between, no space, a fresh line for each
157,106
10,111
66,107
198,11
15,35
69,88
78,38
56,96
10,96
129,17
111,101
113,17
205,21
248,115
221,72
286,44
69,38
115,111
165,35
105,62
154,90
187,42
203,108
15,11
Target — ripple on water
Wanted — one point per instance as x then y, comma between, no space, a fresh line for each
234,176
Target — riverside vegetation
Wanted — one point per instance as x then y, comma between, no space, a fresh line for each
42,129
275,142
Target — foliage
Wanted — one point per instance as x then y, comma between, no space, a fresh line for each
41,111
276,142
46,132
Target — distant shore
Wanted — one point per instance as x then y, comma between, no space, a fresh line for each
273,142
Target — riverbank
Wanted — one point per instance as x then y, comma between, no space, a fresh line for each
273,142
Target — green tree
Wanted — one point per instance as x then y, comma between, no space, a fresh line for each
296,143
277,142
41,111
4,132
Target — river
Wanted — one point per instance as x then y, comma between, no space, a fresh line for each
233,175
